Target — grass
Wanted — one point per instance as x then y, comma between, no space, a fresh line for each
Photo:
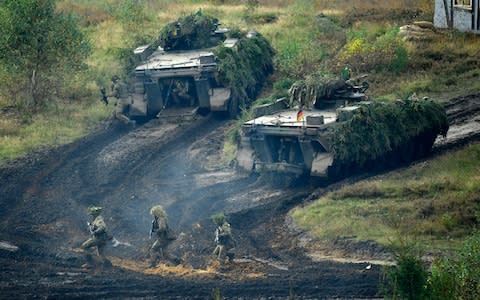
436,202
61,125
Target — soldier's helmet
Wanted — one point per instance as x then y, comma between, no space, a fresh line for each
94,210
218,218
115,78
158,211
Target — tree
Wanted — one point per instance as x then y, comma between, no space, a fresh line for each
38,48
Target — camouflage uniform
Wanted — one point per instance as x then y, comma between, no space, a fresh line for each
119,91
345,74
224,240
98,231
164,236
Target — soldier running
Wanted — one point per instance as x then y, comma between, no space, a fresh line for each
164,236
223,238
99,236
119,91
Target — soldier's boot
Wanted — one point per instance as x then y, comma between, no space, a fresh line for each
106,263
177,261
230,256
153,260
122,117
89,262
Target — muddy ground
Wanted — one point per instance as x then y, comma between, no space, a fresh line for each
44,197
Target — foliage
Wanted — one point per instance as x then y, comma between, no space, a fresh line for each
458,277
218,218
381,50
280,88
455,277
316,88
189,32
442,279
57,125
308,44
420,197
408,279
377,129
90,13
245,67
131,14
38,47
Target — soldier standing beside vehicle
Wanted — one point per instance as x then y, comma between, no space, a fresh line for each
164,236
223,238
119,91
99,236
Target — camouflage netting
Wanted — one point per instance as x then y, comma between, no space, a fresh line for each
158,211
245,67
194,31
380,129
315,88
218,218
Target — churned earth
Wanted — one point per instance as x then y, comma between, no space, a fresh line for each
44,197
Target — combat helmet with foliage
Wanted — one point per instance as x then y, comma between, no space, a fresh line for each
158,211
94,210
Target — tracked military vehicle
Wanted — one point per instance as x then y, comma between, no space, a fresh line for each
195,66
331,129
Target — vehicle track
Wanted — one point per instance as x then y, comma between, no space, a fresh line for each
46,193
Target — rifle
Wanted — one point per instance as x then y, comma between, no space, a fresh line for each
152,230
104,95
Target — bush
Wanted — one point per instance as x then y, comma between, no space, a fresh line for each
458,277
441,282
380,50
408,279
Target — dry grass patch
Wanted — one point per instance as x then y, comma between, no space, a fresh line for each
367,5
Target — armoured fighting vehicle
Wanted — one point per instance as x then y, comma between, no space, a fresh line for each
330,128
192,67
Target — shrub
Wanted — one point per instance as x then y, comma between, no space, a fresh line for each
408,279
380,50
441,282
458,277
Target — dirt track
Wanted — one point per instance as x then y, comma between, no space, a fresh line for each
43,212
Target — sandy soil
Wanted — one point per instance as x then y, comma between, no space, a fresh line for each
45,196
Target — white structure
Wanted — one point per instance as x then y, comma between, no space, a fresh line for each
464,15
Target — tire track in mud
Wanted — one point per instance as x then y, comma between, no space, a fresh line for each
463,114
259,224
26,181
